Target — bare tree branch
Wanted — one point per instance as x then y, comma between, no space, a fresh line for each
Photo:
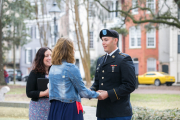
160,19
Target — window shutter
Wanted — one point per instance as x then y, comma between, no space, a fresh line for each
37,32
116,8
31,31
31,55
178,43
25,57
91,44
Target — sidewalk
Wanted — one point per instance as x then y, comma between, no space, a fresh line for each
90,113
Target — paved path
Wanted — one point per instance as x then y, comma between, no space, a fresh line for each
90,113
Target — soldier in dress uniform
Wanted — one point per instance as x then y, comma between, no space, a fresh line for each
115,79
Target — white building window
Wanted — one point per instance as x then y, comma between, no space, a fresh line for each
151,39
28,56
151,64
91,12
91,44
110,6
135,37
150,4
37,32
134,4
39,9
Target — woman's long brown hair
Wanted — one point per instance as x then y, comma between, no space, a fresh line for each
38,64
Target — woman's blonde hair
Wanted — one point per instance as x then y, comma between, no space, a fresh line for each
63,50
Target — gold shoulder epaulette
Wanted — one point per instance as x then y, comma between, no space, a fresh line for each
103,55
121,54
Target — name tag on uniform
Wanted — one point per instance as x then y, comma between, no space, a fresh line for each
113,66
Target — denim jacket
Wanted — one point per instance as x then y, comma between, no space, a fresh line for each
66,85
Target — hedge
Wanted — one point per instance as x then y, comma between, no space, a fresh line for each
150,114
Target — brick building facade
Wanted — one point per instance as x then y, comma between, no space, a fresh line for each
141,45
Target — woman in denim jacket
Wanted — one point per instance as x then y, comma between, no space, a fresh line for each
65,84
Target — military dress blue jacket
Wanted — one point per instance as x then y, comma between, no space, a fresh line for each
66,84
116,75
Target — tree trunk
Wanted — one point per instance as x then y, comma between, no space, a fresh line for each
14,64
85,56
2,80
14,61
87,73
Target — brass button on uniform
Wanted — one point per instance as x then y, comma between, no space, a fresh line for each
103,71
101,83
102,77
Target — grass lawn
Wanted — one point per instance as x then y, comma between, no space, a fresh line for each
156,101
153,101
11,113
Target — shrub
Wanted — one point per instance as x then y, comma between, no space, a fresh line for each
150,114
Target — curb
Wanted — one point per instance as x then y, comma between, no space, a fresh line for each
15,104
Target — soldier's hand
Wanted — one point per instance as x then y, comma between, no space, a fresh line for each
100,91
103,95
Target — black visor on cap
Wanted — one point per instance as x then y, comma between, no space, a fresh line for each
108,33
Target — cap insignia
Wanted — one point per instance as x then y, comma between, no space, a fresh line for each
104,32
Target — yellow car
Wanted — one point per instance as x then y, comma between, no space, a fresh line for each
156,78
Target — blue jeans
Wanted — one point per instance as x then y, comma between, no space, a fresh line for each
116,118
6,80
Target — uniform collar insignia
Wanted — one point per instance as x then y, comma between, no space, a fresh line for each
113,56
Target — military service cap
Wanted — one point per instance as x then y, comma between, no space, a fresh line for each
109,33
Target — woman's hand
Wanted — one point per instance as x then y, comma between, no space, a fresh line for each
47,92
44,93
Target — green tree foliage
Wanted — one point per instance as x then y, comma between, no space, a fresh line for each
13,29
